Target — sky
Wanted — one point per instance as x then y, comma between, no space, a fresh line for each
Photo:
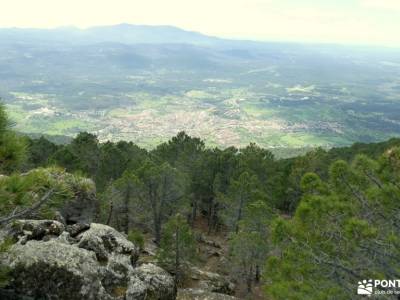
374,22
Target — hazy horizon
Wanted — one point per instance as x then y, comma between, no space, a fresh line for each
284,41
353,22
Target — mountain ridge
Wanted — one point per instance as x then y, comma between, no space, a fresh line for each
124,32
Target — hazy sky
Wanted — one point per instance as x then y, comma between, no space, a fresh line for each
344,21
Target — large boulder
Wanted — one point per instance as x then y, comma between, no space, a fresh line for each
105,240
152,282
55,270
99,263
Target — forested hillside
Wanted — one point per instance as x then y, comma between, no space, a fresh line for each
308,227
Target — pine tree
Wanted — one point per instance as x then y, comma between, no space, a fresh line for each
177,247
344,229
12,146
127,189
240,193
249,246
162,193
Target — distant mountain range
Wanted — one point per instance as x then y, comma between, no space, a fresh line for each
122,33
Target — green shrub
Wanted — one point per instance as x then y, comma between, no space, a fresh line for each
136,237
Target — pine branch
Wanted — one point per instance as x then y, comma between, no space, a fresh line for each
27,211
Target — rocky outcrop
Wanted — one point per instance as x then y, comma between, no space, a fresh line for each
212,282
198,294
150,282
77,228
55,270
202,239
98,263
25,230
105,241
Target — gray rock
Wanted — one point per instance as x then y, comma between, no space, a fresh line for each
212,282
150,248
69,268
35,229
77,228
55,271
105,240
198,294
202,239
65,238
152,282
59,217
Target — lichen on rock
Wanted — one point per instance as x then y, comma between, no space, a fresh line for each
99,263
